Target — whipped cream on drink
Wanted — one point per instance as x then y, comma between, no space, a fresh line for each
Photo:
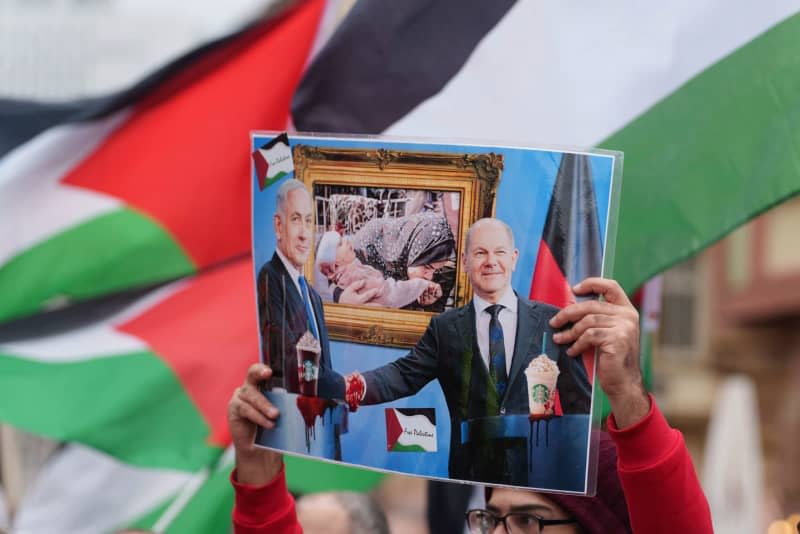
543,364
308,352
308,342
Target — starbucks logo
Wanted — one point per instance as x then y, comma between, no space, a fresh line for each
540,393
309,371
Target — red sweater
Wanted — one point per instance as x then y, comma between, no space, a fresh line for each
660,484
658,478
264,509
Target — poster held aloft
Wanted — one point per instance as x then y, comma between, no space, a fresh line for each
408,263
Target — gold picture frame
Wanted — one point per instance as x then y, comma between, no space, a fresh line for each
474,176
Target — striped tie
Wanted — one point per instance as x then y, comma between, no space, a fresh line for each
497,350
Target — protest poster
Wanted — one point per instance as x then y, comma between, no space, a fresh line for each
403,292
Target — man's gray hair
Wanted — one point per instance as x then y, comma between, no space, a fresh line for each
366,515
283,192
485,220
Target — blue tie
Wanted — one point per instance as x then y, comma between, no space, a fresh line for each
497,350
312,324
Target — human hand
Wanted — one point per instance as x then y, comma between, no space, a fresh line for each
248,408
354,389
612,327
431,294
356,294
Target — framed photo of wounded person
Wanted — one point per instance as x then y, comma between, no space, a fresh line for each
404,292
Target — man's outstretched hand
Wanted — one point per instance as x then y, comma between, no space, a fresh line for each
611,326
354,389
248,408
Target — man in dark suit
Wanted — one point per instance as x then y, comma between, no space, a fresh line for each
478,353
288,306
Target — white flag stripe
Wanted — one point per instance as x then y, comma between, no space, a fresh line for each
3,511
733,471
580,80
96,340
31,197
279,159
81,491
417,430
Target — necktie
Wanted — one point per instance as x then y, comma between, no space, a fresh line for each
312,324
497,350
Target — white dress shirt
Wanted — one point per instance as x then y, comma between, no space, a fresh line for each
508,320
294,274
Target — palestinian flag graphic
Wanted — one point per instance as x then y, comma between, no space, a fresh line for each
273,161
149,184
411,429
148,383
699,112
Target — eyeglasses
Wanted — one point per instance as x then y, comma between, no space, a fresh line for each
484,522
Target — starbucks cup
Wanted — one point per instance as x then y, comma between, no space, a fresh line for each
541,391
308,356
308,370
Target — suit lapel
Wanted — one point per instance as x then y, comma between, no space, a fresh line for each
465,328
470,367
294,302
526,345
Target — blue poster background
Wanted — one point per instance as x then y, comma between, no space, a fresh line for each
523,196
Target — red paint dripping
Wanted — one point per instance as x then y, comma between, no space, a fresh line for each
311,408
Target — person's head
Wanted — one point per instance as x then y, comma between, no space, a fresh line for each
341,512
431,246
605,513
333,251
294,222
426,270
526,512
489,258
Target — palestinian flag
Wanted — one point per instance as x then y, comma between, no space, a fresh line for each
147,382
700,112
411,429
146,185
273,161
83,491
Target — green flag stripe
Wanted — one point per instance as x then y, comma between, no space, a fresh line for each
399,447
312,476
109,253
727,144
210,508
150,518
130,406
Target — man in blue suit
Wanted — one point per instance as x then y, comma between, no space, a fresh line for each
478,353
288,306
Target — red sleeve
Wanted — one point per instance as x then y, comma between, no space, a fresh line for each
264,509
658,478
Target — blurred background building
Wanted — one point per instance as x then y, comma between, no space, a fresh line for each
732,310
